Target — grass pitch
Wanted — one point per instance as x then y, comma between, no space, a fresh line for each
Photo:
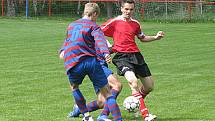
34,87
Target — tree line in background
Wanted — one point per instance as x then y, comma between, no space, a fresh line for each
148,10
40,6
15,6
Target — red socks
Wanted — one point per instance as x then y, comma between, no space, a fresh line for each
144,111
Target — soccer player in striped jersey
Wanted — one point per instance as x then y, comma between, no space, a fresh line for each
128,58
115,86
83,50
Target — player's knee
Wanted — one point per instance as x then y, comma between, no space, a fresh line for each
117,86
114,83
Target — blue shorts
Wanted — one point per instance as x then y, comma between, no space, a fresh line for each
93,69
106,70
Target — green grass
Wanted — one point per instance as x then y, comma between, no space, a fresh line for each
34,87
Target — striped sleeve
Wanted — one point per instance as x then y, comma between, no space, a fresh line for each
100,42
62,47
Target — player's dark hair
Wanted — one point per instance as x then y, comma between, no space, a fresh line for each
127,1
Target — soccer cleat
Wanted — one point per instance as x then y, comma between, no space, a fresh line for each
151,117
75,113
88,118
103,118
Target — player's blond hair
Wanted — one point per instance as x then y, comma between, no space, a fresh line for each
91,8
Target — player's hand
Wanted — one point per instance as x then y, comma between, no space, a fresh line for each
61,56
107,58
159,35
110,50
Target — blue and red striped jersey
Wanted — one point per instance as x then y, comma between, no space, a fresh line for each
84,38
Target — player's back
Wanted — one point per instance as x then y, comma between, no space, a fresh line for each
79,42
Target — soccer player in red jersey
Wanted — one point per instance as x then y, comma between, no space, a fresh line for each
83,51
128,58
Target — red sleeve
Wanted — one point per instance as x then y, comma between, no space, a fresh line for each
139,33
108,28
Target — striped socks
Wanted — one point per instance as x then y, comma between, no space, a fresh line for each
105,110
114,108
80,101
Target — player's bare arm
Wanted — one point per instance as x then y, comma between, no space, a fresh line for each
158,36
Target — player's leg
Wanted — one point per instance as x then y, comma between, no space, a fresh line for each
144,75
147,86
80,100
100,84
132,79
110,104
113,81
76,76
145,89
115,85
128,69
92,106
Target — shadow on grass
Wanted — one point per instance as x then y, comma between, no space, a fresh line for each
133,118
181,119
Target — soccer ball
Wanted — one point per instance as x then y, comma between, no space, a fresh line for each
131,104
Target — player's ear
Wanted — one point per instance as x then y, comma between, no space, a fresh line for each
121,8
95,14
122,5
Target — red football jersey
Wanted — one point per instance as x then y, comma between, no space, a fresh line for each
123,33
